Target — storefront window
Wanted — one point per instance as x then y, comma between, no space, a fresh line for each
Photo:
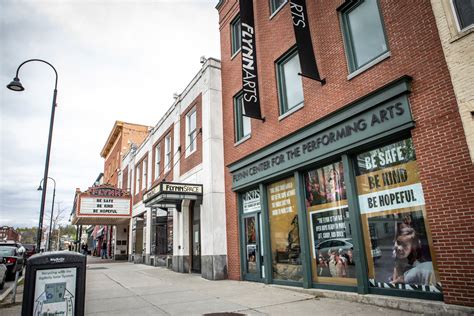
251,243
284,232
394,221
328,219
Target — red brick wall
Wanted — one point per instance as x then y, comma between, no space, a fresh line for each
194,159
446,172
112,163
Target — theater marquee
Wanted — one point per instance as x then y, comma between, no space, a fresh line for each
102,205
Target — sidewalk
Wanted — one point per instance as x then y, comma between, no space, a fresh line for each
128,289
124,288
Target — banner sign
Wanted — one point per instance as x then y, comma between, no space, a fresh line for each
299,15
251,96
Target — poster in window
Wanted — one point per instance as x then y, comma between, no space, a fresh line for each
284,230
328,219
393,214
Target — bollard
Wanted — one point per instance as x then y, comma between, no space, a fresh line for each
55,284
17,274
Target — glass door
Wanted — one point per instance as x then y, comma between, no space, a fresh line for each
253,256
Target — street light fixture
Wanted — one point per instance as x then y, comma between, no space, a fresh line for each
16,85
52,210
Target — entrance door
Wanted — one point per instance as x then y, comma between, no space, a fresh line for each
253,248
196,238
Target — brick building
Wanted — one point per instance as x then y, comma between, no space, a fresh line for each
109,229
360,184
9,234
456,30
176,177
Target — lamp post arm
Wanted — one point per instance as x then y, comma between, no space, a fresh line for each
43,61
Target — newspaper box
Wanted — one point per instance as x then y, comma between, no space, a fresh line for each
55,284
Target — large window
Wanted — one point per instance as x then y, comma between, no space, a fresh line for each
464,11
290,85
276,4
191,132
167,152
236,35
394,221
284,231
242,123
157,161
363,33
330,230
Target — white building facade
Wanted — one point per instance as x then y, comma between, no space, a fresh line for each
176,177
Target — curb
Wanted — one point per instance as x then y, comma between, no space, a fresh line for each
399,303
8,290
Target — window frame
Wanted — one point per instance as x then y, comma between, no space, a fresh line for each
144,171
239,120
281,86
348,42
137,175
167,161
235,44
190,141
157,161
274,10
456,19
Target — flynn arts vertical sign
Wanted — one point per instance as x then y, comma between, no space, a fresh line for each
308,64
251,96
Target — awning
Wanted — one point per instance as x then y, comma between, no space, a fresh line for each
170,195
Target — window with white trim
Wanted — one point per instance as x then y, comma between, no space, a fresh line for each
137,179
144,174
167,152
157,161
191,132
275,5
241,123
464,13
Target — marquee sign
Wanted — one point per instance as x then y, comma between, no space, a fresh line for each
106,201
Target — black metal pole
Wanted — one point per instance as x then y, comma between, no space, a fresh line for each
45,177
51,219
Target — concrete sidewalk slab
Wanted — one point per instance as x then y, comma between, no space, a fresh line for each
132,289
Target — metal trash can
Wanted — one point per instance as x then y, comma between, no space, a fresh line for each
55,284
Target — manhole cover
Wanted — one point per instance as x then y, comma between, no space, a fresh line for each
96,268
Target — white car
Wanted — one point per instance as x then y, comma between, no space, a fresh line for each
3,273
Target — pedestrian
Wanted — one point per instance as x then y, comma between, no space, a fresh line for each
104,250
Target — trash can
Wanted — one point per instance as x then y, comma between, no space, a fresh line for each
55,284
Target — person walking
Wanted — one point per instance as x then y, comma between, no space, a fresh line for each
104,250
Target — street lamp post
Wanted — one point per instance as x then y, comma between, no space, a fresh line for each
16,85
52,210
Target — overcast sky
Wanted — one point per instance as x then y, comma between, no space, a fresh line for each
116,60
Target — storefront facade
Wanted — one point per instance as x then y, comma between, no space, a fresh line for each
176,177
348,179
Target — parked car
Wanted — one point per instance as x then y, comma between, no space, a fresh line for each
30,249
3,274
13,259
16,244
342,244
